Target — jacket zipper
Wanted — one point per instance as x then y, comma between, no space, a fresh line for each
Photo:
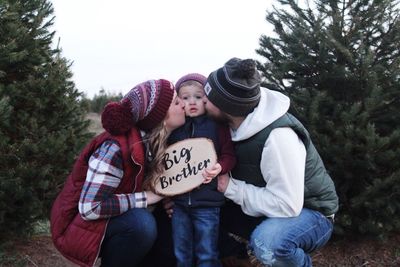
141,167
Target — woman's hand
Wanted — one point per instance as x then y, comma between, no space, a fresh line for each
212,172
152,197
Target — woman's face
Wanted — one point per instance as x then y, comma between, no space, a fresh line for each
175,115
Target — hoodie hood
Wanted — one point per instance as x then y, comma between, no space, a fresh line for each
272,106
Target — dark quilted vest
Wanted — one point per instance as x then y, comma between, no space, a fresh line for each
79,240
319,190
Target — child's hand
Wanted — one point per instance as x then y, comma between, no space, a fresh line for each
212,172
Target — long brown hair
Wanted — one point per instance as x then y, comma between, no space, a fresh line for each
156,146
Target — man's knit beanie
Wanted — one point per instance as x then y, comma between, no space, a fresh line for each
144,106
235,88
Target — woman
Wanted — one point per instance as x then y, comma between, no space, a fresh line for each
101,211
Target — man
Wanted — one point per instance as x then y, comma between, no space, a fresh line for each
282,198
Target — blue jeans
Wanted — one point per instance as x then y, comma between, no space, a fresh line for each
128,238
195,231
288,241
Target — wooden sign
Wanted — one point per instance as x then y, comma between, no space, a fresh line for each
184,163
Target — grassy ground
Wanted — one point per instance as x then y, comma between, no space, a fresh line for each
39,251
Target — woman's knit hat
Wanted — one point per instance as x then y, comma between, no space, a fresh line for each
190,77
235,88
144,106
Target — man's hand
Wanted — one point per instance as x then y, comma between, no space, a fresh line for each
223,181
212,172
168,206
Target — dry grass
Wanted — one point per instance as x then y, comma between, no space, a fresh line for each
364,252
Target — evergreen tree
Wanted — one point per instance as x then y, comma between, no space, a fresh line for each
339,61
42,126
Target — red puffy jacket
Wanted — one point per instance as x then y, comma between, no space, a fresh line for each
79,240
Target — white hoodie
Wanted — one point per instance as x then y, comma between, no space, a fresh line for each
282,163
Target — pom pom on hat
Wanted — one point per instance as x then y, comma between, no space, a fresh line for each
116,118
246,69
144,106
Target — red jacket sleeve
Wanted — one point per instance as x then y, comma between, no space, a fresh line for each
226,155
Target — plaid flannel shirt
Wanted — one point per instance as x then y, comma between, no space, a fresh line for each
105,172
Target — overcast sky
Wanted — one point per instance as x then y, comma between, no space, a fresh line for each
117,44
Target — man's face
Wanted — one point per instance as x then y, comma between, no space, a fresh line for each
215,112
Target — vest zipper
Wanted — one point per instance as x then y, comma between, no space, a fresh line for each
134,188
191,136
101,242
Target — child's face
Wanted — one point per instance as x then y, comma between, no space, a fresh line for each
192,96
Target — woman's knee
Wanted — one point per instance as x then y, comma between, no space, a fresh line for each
143,223
135,224
129,237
